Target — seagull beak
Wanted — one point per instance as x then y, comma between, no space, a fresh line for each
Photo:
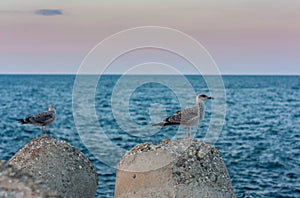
210,97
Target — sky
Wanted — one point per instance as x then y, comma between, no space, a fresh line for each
242,36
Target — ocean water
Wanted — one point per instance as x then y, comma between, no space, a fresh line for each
260,141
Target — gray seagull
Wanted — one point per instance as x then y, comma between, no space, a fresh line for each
42,119
188,117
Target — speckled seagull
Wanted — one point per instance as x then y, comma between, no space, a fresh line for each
42,119
188,117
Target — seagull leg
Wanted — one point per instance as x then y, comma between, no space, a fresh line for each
44,130
186,133
191,134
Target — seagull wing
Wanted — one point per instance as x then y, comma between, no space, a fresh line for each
43,118
183,116
173,119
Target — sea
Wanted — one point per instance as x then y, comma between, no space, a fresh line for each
259,139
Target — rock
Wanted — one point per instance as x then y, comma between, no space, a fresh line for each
14,183
60,166
173,169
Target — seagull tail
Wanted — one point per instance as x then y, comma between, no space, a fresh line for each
161,124
23,121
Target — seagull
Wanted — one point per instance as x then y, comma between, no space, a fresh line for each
187,117
42,119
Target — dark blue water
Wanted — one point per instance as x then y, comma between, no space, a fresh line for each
260,142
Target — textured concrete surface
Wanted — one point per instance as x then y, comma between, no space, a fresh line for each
16,184
60,166
173,169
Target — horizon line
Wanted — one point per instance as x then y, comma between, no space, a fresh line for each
188,74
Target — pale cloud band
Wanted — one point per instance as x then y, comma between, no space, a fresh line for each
43,12
49,12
